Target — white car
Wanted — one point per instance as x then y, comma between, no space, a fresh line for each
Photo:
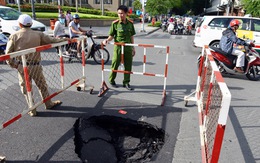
209,30
9,23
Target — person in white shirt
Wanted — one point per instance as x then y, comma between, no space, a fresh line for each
59,30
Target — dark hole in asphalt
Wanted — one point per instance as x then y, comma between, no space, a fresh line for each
110,139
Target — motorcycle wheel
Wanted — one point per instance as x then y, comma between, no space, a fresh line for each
98,58
253,73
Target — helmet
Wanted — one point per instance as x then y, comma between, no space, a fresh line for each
234,22
25,20
75,16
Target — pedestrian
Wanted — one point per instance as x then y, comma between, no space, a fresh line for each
122,30
68,17
27,38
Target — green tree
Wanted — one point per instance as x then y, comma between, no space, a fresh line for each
137,5
252,7
157,7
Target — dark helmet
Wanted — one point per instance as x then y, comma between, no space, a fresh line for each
75,16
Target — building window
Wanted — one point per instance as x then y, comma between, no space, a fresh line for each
127,3
108,2
96,1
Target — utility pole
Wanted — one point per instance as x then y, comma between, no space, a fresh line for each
102,7
143,12
33,11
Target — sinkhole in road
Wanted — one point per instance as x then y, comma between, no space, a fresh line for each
111,139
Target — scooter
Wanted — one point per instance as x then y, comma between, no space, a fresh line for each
188,29
180,28
227,62
164,26
92,50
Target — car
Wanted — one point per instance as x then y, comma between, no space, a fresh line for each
209,30
9,23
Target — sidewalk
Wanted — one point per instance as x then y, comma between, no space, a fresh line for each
102,32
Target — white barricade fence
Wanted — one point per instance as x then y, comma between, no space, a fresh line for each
164,74
213,100
53,68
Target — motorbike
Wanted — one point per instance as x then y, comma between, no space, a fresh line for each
180,28
164,26
92,50
3,42
188,29
227,62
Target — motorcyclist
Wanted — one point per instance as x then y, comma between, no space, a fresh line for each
75,31
227,42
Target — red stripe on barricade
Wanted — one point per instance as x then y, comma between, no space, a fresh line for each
144,58
217,143
12,120
50,97
122,58
72,41
168,50
27,79
257,46
210,58
166,70
102,64
44,47
74,82
201,64
83,58
148,74
4,57
219,77
146,45
209,98
122,71
61,66
119,43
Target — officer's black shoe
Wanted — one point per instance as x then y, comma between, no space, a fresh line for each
128,87
113,84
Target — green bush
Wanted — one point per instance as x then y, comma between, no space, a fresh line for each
54,8
156,24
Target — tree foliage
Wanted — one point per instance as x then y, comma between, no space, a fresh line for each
137,5
252,7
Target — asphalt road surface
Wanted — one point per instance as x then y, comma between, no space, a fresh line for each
49,137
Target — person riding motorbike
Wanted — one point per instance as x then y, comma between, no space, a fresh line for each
227,42
75,31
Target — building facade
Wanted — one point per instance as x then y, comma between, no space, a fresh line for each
225,7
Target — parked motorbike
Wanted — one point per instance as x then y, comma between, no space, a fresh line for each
92,50
227,62
188,29
164,26
180,28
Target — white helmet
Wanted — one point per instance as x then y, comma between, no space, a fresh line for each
25,20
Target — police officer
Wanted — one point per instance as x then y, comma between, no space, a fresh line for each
23,39
122,30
